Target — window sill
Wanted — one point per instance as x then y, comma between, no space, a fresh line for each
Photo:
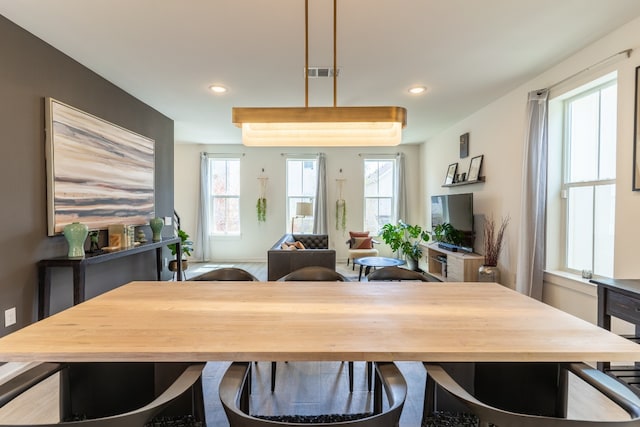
570,281
226,236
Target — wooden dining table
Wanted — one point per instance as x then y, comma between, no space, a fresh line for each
313,321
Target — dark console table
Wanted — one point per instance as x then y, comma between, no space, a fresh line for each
79,265
620,298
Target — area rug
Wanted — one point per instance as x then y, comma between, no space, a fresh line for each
314,419
439,419
448,419
178,421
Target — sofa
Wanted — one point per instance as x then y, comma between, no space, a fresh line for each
316,252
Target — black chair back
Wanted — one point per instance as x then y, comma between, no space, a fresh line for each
314,274
231,274
395,273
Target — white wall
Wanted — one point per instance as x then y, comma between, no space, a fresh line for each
257,237
498,130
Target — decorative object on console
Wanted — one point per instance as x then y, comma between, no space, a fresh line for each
94,239
140,236
156,224
474,168
489,271
406,239
78,146
76,234
451,173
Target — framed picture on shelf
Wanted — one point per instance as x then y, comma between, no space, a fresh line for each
474,168
464,145
451,173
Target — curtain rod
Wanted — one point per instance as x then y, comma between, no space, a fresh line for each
300,154
378,154
615,55
223,154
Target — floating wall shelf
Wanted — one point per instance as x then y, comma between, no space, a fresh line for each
456,184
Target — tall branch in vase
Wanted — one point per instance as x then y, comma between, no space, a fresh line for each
493,240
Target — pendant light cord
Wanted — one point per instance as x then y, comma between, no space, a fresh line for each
335,43
306,53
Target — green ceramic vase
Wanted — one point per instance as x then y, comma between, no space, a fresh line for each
76,234
156,225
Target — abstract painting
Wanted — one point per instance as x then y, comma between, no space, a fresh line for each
98,173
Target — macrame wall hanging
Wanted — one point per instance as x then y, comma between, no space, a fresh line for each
341,207
261,204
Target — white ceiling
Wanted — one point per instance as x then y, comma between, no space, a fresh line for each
168,52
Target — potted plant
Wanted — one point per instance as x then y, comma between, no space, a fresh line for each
489,271
186,247
406,239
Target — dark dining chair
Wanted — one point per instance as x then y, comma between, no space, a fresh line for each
231,274
395,274
499,397
234,396
314,274
109,403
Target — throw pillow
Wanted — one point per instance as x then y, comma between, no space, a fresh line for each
288,246
298,244
362,243
354,234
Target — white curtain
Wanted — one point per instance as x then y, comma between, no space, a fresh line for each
401,189
202,241
531,253
320,222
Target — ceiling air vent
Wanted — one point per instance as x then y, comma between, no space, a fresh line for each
320,72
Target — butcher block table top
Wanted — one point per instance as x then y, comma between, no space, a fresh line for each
310,321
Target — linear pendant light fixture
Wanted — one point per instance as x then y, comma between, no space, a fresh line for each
320,126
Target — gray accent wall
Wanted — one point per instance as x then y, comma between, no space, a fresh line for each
31,70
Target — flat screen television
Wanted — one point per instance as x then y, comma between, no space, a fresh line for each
457,210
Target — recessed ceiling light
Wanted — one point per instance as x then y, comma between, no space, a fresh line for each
218,88
416,90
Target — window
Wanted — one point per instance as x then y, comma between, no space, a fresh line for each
225,195
588,179
379,200
301,191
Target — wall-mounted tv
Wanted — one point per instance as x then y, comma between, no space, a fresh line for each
457,210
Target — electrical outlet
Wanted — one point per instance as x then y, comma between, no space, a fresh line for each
9,317
167,220
166,263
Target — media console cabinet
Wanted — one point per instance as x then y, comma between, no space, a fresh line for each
448,266
79,266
